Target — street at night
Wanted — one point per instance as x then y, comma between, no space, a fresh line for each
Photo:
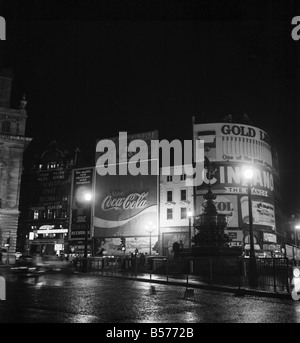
149,164
79,298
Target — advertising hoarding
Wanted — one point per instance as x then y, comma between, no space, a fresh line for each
82,184
263,212
170,237
110,246
125,205
228,178
49,189
225,205
234,142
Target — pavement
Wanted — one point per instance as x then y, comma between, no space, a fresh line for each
190,282
194,282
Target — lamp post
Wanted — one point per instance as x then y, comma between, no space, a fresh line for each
190,214
87,198
150,228
252,262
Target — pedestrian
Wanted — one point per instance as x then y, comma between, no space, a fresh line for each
176,250
180,246
142,259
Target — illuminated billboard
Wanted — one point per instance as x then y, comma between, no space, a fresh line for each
263,212
125,205
234,142
82,184
226,205
228,178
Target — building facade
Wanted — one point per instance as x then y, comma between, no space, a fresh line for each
176,201
45,203
231,148
12,145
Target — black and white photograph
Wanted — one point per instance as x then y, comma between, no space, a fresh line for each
149,165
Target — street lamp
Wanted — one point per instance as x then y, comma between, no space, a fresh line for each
248,174
150,228
190,214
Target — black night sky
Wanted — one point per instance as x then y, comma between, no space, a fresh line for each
93,68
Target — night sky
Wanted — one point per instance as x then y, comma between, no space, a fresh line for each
90,70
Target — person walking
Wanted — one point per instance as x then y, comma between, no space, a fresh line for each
176,250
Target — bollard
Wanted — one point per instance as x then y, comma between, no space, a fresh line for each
188,293
2,288
152,290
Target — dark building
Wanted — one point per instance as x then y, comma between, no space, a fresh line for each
12,145
45,202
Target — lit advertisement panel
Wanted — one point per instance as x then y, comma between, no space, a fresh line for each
226,205
263,212
234,142
111,246
228,179
125,204
80,209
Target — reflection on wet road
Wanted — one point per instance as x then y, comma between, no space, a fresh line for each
71,298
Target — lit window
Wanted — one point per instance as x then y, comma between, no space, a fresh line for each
35,214
183,213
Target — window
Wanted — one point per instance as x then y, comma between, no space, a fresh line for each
183,177
6,126
183,213
35,214
64,214
169,196
183,194
169,213
169,178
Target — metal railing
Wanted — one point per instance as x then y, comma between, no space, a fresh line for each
273,274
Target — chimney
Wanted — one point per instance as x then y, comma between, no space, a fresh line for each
6,79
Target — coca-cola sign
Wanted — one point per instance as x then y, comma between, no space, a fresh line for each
117,201
124,204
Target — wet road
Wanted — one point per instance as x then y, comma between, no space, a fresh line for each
71,298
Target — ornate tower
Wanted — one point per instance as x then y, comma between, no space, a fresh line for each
12,145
